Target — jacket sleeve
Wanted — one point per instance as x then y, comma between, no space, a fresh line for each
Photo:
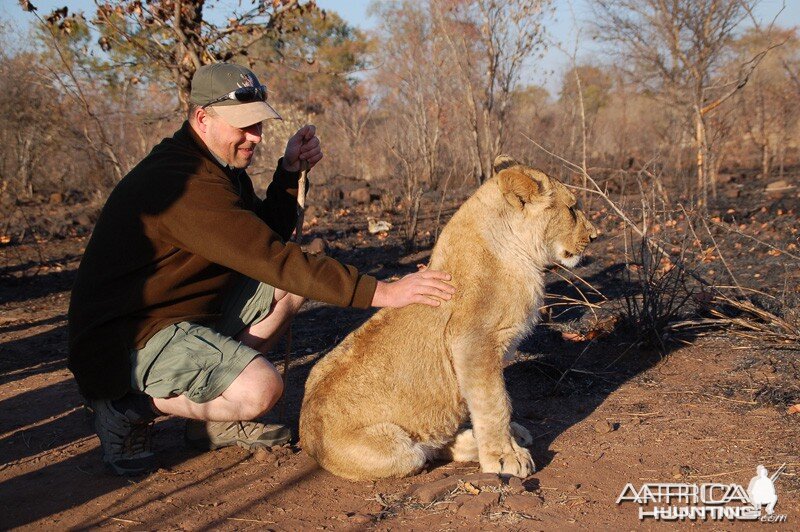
279,208
208,219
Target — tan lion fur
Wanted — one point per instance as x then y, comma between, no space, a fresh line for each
396,391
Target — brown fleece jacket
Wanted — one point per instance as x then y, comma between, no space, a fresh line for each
165,247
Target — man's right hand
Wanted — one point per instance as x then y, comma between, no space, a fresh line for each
425,286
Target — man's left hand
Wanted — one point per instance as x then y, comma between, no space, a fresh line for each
303,146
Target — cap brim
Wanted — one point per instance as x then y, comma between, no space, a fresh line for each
246,114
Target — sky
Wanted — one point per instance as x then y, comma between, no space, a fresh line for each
571,17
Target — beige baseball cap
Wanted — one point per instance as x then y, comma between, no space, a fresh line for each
234,92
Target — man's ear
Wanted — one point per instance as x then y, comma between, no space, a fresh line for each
519,188
201,117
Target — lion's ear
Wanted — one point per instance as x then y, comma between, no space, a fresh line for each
520,188
502,162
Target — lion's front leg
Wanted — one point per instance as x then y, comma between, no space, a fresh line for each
480,379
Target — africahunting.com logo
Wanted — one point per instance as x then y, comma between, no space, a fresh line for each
713,501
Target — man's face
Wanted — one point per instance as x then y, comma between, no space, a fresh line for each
233,145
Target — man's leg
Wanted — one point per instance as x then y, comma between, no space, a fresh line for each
188,360
259,386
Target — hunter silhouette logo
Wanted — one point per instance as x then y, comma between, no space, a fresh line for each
761,489
714,501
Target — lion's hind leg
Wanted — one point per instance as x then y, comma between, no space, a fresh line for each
464,448
375,451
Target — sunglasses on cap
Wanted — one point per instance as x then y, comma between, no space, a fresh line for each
243,94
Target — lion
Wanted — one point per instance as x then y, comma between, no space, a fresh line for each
398,391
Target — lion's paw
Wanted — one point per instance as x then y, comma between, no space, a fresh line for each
521,435
516,462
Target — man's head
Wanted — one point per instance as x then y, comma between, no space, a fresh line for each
227,106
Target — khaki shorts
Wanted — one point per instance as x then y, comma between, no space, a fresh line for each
197,361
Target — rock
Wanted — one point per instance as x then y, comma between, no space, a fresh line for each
360,195
778,189
263,456
516,485
522,503
603,427
360,519
427,493
377,226
482,480
781,183
83,220
475,505
56,198
732,192
316,247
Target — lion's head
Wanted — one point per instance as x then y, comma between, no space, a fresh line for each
544,212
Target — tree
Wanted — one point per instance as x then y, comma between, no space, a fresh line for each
676,49
175,36
414,89
488,42
768,105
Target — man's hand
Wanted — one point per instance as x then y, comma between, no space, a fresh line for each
426,286
304,145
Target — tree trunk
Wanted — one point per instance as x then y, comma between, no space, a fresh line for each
700,145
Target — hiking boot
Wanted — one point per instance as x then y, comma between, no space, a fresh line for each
209,435
124,438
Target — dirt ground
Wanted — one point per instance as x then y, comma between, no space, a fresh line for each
603,413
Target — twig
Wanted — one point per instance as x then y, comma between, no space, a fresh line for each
129,521
728,473
250,520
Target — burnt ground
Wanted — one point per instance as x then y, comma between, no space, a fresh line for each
605,405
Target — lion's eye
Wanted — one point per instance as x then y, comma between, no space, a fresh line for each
572,213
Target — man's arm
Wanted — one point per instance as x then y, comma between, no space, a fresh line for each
279,207
426,286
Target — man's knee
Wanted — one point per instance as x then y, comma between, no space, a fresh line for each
263,399
257,390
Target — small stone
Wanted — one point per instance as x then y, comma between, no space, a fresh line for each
83,219
483,480
778,189
676,472
603,427
516,485
316,247
264,456
56,198
781,183
522,503
474,506
427,493
360,519
732,192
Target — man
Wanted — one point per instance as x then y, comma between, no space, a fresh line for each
187,280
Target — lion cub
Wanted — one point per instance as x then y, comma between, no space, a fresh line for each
396,391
